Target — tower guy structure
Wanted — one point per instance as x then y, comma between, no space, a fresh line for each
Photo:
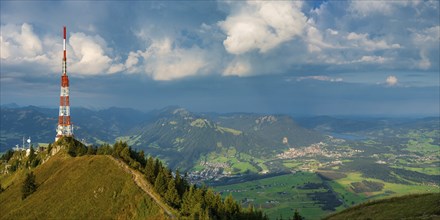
64,128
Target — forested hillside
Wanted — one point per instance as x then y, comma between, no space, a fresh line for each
80,180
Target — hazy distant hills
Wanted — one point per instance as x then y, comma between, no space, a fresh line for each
271,128
28,121
172,130
40,124
180,137
351,125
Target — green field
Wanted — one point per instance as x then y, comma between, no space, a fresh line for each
237,162
343,187
426,170
279,195
423,146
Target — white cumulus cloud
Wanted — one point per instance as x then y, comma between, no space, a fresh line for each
163,60
391,80
19,42
86,55
89,54
262,25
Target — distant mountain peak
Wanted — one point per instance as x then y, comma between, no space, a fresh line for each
266,119
201,123
174,110
181,111
10,105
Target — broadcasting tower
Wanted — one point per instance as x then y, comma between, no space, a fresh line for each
64,128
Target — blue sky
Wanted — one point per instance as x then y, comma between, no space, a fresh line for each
311,57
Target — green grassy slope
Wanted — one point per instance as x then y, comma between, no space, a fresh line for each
87,187
417,206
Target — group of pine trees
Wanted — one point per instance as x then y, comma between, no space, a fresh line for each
194,202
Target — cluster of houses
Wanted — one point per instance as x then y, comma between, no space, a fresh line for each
317,149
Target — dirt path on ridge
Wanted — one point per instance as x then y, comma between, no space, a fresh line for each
142,183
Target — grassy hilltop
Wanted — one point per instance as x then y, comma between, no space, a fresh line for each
417,206
79,187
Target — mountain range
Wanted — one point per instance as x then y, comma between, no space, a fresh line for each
181,137
169,133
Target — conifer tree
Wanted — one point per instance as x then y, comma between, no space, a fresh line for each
179,184
31,157
104,149
149,170
31,154
80,148
160,185
141,158
157,167
35,162
91,150
219,203
231,207
117,148
188,202
196,211
171,195
251,208
7,156
125,154
49,148
167,174
29,185
204,215
210,198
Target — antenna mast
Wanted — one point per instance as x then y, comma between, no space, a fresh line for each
64,125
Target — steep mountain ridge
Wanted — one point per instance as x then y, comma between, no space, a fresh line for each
86,187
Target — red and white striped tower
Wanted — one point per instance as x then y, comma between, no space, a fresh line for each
64,128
